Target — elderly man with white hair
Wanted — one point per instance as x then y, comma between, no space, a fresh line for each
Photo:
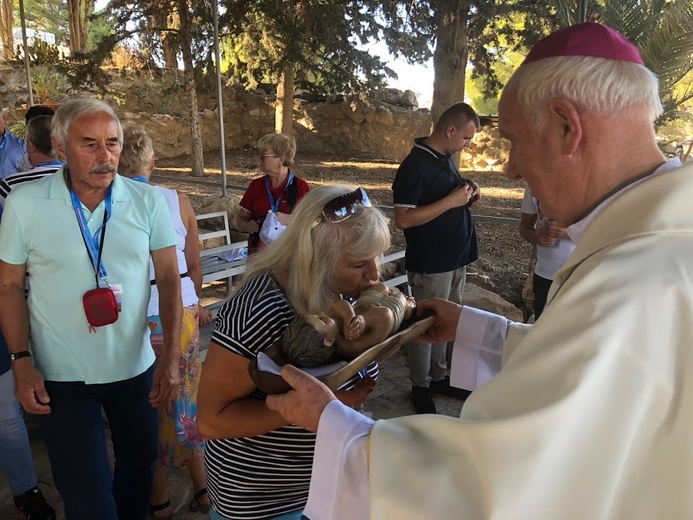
591,414
80,342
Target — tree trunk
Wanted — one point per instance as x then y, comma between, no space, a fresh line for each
77,15
198,169
450,56
6,21
169,43
284,111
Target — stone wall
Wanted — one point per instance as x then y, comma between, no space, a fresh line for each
347,128
382,127
487,153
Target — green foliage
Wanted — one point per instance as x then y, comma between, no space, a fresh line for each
100,28
18,128
48,84
493,28
484,98
663,31
318,39
45,16
40,53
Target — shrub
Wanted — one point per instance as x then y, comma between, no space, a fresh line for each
48,85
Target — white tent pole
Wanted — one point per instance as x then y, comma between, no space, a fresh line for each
220,101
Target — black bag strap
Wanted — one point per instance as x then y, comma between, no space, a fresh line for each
292,195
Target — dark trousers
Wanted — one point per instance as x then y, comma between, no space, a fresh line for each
76,442
541,288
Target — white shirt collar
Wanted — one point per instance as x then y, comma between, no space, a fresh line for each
577,230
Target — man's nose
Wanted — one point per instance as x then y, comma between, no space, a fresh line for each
102,153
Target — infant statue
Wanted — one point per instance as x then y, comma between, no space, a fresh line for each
311,340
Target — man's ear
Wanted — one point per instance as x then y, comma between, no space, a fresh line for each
59,149
328,341
566,118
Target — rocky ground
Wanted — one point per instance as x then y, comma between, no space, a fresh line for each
504,256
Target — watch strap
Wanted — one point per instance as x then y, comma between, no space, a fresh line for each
14,356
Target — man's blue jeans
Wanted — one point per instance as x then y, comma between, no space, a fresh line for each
15,452
76,442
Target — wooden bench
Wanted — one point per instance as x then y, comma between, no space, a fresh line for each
214,266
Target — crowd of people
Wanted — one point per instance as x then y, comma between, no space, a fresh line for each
588,417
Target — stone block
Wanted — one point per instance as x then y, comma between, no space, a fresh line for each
479,298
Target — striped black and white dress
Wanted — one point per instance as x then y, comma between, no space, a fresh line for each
268,475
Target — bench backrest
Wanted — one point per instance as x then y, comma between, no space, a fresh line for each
219,217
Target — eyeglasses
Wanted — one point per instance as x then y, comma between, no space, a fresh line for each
265,156
341,208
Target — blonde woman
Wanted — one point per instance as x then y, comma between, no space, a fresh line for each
258,466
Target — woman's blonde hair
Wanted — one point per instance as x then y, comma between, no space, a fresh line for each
138,150
306,256
281,145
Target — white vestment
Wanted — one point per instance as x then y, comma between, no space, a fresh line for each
591,416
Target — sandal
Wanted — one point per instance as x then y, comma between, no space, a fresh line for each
195,504
160,507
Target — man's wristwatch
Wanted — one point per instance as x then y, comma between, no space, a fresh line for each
14,356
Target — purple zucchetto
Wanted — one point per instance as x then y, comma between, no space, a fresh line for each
586,39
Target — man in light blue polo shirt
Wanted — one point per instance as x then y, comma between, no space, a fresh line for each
12,148
81,228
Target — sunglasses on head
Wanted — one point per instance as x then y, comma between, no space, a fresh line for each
341,208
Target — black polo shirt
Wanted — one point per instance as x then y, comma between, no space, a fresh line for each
448,241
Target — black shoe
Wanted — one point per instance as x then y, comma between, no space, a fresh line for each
443,387
422,399
34,506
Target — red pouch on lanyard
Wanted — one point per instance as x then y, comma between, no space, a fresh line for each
100,306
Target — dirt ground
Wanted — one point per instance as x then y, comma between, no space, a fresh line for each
504,256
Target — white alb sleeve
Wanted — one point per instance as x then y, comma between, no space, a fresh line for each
478,349
339,481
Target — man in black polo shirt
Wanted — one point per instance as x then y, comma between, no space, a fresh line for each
431,206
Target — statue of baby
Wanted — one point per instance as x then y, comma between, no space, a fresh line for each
345,330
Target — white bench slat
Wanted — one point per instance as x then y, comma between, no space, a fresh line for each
213,267
391,257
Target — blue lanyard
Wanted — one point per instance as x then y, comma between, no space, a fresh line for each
140,179
275,205
94,246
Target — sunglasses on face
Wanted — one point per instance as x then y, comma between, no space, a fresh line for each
341,208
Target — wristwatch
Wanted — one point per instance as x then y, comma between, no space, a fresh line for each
14,356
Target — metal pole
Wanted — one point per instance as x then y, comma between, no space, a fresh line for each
27,67
220,101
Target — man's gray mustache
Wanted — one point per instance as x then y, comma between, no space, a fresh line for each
106,167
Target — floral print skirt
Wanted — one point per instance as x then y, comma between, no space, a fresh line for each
179,440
